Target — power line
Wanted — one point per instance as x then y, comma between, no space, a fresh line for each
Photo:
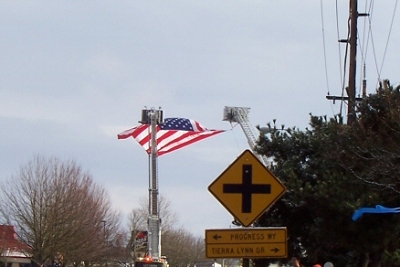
387,41
351,47
364,48
324,47
342,78
350,55
372,41
377,68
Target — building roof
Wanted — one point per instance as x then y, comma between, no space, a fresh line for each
9,243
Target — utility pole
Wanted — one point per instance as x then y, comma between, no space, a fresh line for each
351,88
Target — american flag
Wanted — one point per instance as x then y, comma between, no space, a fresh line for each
173,134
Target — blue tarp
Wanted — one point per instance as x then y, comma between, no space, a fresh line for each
378,209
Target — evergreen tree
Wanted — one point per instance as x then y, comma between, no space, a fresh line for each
332,169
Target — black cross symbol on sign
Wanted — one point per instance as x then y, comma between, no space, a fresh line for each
247,188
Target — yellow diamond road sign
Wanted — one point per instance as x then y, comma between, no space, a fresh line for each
247,188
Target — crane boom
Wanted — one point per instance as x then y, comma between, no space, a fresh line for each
152,237
154,219
240,115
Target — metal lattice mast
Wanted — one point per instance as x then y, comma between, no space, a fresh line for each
153,117
240,115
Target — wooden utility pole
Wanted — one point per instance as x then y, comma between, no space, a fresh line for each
351,88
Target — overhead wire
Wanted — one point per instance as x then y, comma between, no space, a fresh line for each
342,76
364,44
324,51
377,68
324,47
372,42
367,41
388,37
345,61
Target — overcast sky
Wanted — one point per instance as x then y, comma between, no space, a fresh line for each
73,74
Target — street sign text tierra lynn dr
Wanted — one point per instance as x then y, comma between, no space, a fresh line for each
247,243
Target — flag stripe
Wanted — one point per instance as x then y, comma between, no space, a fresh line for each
188,141
165,137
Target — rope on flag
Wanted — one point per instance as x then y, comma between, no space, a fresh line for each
173,134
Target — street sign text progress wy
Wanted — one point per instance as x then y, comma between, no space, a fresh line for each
246,243
247,188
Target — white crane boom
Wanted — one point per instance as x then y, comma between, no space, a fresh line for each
240,115
153,117
154,219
